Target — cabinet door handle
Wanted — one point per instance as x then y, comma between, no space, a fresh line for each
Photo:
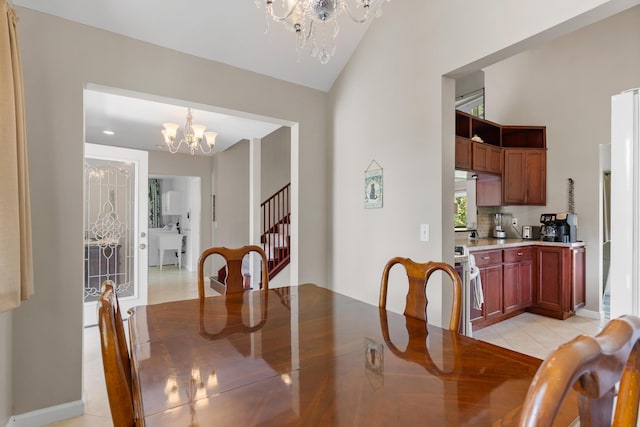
486,257
520,253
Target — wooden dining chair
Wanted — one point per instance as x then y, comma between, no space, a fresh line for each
592,366
115,358
234,280
416,300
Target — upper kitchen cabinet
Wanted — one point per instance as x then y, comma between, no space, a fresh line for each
524,180
524,137
172,203
486,158
524,177
515,154
477,144
463,153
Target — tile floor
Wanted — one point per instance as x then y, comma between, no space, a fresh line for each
537,335
527,333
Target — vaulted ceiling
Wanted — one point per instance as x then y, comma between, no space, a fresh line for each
231,32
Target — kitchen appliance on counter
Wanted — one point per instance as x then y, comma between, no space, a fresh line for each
531,232
498,231
559,227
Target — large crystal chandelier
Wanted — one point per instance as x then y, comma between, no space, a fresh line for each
315,21
192,136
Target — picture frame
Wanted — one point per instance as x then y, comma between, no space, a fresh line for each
373,188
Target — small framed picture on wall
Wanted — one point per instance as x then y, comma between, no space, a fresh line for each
373,186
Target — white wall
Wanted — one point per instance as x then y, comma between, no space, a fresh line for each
388,105
567,86
59,58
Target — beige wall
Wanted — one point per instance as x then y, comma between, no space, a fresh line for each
59,59
387,105
478,34
231,178
567,86
276,162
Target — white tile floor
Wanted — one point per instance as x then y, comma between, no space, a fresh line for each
537,335
527,333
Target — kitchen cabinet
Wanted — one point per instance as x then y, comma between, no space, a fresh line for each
560,284
492,287
507,278
490,265
477,156
517,279
543,279
463,153
524,178
172,203
515,154
578,278
486,158
488,190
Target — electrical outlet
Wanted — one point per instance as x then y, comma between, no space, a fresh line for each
514,222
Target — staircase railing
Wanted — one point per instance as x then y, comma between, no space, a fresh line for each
276,220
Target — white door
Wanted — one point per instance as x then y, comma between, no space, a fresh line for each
115,225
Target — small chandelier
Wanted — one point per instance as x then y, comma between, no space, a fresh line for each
192,136
315,21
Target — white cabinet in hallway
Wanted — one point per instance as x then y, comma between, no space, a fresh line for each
164,245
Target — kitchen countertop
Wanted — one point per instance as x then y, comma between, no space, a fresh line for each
482,244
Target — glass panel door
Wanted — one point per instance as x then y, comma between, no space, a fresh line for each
115,228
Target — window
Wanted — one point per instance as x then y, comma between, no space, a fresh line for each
472,103
460,216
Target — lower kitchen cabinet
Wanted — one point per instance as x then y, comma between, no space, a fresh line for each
490,265
517,278
491,278
546,280
560,287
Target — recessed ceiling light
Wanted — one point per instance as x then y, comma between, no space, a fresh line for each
108,132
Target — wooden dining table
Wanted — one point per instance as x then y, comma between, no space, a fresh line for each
304,355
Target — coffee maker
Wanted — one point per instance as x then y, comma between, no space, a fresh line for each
559,227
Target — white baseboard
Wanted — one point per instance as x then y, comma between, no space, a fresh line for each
48,415
590,314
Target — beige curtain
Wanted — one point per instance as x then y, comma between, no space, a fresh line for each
16,269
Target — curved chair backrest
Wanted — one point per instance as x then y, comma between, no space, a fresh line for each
233,258
115,357
418,275
592,366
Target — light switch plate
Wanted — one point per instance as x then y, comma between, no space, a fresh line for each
424,232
